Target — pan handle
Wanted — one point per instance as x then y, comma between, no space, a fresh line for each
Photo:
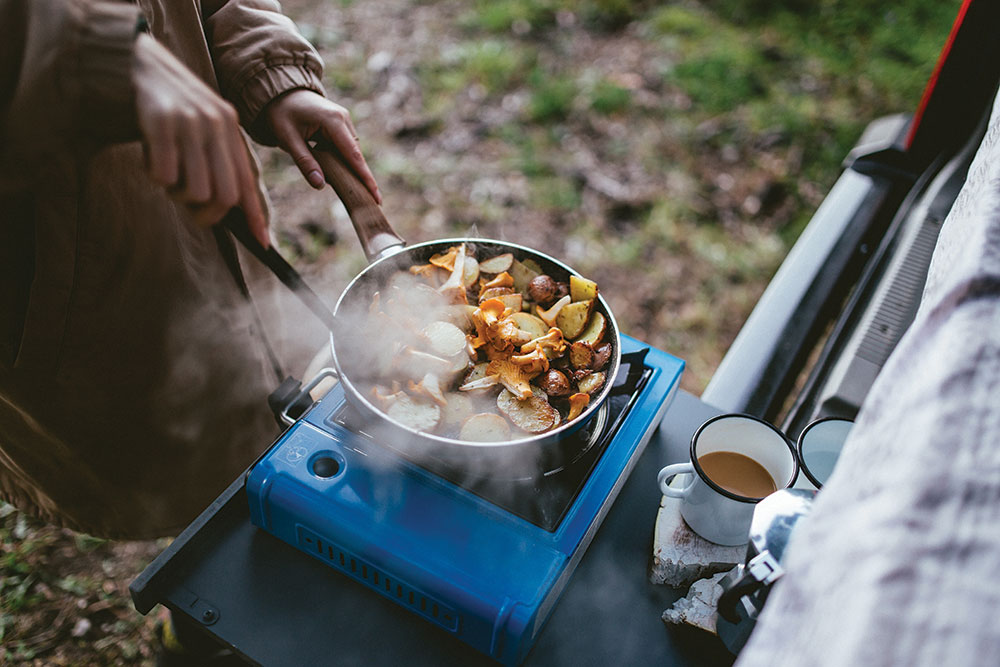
378,239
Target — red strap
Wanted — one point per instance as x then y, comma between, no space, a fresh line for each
929,89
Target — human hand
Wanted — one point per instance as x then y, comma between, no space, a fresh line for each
192,140
300,114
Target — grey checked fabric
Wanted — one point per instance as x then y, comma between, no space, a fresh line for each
899,562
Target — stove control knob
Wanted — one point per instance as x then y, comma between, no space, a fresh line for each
325,467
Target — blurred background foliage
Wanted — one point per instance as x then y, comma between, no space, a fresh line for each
672,151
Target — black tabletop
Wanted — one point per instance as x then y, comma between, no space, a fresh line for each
277,606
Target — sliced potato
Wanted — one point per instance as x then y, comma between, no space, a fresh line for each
573,318
528,322
522,273
414,414
485,427
592,383
595,329
497,264
581,289
532,266
581,355
458,408
533,414
445,339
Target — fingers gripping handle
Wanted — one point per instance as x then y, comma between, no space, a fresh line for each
370,224
667,473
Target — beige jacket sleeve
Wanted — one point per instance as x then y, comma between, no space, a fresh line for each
65,80
258,55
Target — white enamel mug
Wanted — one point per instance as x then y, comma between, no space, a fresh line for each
713,512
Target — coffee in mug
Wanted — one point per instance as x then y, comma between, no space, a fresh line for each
736,460
738,474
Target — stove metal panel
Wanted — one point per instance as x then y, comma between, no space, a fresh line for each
451,556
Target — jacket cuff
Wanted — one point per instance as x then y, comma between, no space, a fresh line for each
103,73
266,85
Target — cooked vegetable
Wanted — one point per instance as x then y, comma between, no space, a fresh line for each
529,323
552,343
428,387
602,355
572,319
485,427
415,364
470,271
532,414
550,315
543,290
591,383
454,287
581,289
532,362
577,403
513,377
594,332
455,332
555,383
484,382
497,264
509,297
581,355
417,415
445,339
458,408
501,280
523,273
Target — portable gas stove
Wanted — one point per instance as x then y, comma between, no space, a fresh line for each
485,559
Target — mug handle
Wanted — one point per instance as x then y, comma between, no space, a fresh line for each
670,471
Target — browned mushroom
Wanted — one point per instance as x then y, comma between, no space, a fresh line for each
555,383
577,402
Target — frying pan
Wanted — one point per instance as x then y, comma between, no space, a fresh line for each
387,254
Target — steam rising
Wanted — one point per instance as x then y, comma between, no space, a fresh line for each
385,341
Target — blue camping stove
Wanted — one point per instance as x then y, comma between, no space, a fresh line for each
483,559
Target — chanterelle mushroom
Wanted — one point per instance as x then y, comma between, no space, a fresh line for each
532,362
502,280
454,287
513,377
549,316
552,343
429,386
577,402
